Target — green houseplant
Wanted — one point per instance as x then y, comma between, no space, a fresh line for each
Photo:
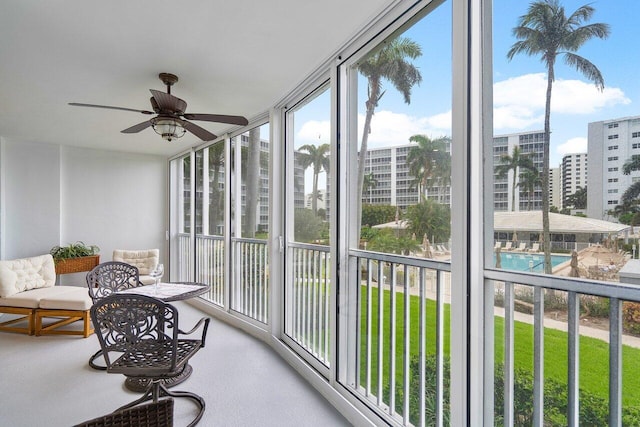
75,257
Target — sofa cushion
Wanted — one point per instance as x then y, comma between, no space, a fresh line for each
144,259
70,298
32,298
146,280
24,274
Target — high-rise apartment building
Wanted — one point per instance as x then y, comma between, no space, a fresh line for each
391,182
574,174
531,144
555,187
611,144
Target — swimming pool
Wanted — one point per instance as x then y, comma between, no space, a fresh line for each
522,262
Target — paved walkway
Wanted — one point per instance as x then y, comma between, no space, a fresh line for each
587,331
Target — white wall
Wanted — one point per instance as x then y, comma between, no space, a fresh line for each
55,195
30,199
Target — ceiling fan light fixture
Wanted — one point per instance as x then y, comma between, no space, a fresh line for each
168,128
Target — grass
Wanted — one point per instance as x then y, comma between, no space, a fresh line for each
594,353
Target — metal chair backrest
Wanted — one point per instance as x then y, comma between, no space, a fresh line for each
143,327
110,277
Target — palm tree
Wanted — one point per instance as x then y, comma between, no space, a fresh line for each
633,164
578,199
390,63
316,157
428,160
216,201
529,181
430,218
369,183
517,160
545,30
252,183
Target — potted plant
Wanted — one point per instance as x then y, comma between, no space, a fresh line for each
75,257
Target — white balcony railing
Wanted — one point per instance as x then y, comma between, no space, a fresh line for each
399,339
250,280
309,299
568,296
402,315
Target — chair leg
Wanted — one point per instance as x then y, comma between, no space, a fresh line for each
156,390
92,359
199,401
148,395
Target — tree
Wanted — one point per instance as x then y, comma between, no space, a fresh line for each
216,198
430,218
545,30
633,164
390,62
315,156
307,227
514,162
252,183
428,161
529,181
578,199
370,182
377,214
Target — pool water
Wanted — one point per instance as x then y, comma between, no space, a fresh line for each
521,262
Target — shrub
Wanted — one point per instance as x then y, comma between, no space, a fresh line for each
594,410
631,317
594,306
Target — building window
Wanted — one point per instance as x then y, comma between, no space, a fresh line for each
613,169
612,202
613,147
612,125
635,135
612,191
614,136
612,159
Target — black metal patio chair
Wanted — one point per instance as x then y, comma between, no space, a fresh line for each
140,338
106,279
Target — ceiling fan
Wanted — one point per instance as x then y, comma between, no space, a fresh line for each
171,120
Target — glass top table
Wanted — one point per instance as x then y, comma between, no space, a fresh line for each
172,291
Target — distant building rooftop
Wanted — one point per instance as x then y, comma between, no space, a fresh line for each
558,223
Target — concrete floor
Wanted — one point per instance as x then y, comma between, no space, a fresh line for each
45,381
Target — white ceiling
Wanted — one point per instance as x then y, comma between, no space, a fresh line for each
232,57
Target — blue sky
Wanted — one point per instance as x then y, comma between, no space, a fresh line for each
519,85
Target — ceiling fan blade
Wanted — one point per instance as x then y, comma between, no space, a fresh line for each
201,133
168,102
137,128
220,118
77,104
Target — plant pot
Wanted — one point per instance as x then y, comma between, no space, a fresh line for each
75,265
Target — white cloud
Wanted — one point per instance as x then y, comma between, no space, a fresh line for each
519,101
389,128
573,145
314,132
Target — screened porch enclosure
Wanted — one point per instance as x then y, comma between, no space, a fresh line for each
352,229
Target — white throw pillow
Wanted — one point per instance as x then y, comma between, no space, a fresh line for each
22,274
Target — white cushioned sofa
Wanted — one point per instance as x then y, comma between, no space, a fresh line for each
145,260
27,289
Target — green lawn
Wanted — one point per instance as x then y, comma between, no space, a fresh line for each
594,354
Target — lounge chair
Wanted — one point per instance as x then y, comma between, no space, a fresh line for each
507,246
535,247
497,245
522,247
442,249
